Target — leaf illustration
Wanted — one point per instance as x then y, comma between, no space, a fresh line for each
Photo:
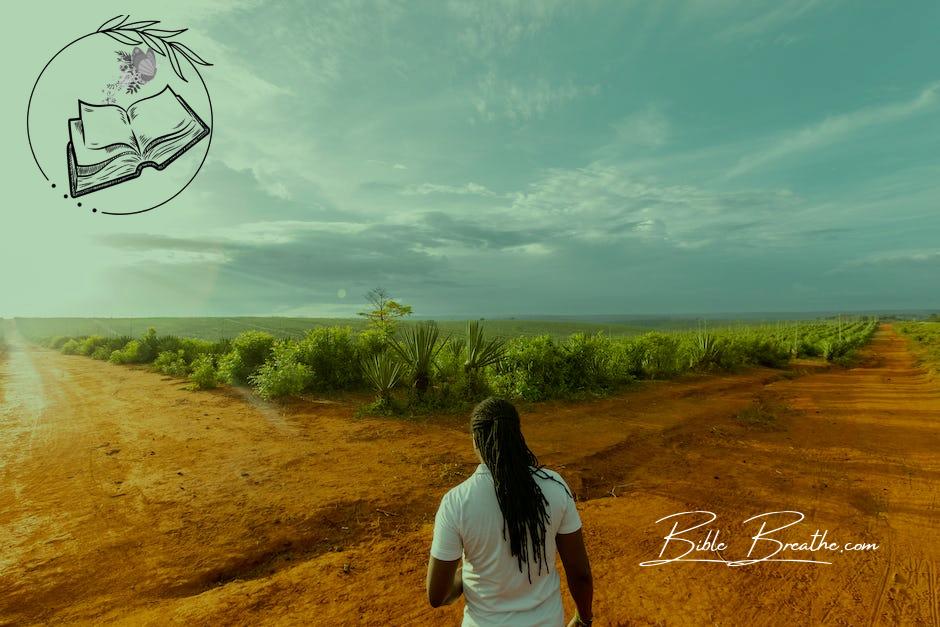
157,45
175,62
159,40
127,40
114,22
165,34
140,25
189,54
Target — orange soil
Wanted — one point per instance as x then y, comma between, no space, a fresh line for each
125,498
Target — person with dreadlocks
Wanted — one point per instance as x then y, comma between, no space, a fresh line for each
506,522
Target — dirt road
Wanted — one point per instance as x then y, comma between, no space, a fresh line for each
125,498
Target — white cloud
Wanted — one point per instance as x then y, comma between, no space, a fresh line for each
604,202
536,248
781,13
520,102
470,189
915,256
835,128
493,27
648,128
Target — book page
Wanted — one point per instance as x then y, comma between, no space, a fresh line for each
105,125
164,148
157,117
86,156
96,166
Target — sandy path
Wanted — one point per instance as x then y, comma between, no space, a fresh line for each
125,498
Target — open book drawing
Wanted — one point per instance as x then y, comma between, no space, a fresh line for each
109,145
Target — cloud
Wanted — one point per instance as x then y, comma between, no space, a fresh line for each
520,102
647,128
605,201
470,189
493,27
895,257
835,128
780,13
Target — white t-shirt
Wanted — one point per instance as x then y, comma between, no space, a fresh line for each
469,524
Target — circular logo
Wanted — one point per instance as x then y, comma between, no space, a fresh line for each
119,121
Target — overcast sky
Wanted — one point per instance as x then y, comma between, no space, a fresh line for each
505,157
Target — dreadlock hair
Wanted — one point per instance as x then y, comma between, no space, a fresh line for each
498,437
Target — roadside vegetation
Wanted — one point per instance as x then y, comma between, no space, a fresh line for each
418,366
925,340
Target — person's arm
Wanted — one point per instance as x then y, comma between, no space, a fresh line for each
444,582
578,573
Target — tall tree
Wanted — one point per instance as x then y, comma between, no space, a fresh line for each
385,313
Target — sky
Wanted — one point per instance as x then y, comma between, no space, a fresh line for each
503,157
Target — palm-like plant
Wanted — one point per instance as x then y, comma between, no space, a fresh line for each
705,350
418,349
383,373
480,351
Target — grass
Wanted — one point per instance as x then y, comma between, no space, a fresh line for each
925,340
214,328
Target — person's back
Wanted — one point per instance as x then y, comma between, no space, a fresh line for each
506,521
497,592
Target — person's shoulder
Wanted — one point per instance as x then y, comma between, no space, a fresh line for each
460,491
551,473
551,476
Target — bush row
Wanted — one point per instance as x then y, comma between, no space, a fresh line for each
530,368
324,359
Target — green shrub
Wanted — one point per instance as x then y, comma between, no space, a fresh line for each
481,353
383,373
370,343
587,362
657,354
765,351
538,368
193,348
130,354
204,375
168,343
701,350
71,347
172,363
418,349
90,344
330,355
148,347
58,342
102,353
248,352
532,368
282,374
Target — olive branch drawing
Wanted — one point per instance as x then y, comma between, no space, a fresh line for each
158,39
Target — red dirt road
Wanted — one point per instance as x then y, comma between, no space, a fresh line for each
125,498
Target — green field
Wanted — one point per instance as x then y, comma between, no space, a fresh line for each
218,328
215,328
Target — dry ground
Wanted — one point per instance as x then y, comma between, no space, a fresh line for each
125,498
